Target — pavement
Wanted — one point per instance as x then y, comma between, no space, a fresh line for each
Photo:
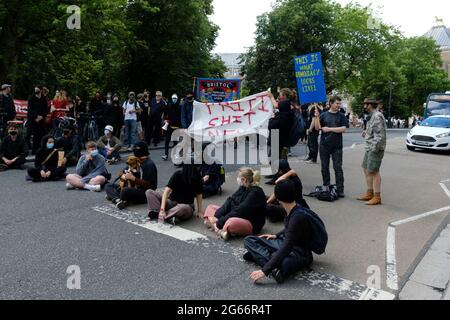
45,229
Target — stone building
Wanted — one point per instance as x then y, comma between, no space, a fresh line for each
441,34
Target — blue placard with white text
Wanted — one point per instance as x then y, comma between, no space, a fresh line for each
310,78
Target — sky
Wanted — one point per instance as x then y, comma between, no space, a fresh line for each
237,18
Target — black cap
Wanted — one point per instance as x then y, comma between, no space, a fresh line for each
141,149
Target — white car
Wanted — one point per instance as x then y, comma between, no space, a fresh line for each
433,134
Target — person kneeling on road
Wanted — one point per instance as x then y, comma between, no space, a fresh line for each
287,252
177,200
46,164
275,211
147,179
243,213
91,173
109,146
13,150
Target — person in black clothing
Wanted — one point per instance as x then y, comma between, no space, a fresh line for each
71,144
148,179
97,109
46,162
282,121
243,213
13,150
313,132
210,174
37,112
145,106
275,211
333,124
177,200
157,106
7,107
172,118
287,252
113,115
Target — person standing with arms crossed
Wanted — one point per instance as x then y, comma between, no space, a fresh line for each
375,136
333,124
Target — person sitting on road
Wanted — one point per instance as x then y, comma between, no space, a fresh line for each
176,203
46,163
13,150
91,173
210,174
275,211
70,143
243,213
148,179
109,146
287,252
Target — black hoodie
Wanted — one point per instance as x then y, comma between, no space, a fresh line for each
283,121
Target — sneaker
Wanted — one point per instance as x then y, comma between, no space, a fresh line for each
341,195
121,204
96,188
108,197
165,158
153,215
225,235
278,276
308,159
69,186
271,182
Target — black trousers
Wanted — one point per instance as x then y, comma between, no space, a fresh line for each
56,174
263,249
38,131
154,129
313,145
336,155
168,136
17,164
131,195
275,212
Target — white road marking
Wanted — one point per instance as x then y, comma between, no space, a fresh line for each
391,261
330,283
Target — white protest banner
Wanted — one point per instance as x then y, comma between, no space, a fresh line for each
229,120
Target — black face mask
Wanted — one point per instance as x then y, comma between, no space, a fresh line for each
13,133
190,99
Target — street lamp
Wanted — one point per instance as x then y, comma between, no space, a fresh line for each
391,86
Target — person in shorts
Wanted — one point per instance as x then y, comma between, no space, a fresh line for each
375,140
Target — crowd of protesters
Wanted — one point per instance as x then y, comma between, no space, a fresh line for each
142,120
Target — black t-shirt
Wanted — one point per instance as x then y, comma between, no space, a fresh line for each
183,192
332,120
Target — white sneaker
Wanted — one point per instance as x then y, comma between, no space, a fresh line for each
95,188
69,186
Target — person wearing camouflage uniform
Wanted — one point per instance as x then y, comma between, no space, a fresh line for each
375,135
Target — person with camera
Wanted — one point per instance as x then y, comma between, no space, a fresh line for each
13,150
314,112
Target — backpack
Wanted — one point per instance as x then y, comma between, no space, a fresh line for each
323,195
298,130
319,238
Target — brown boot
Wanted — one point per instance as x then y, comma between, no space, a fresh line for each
375,201
367,196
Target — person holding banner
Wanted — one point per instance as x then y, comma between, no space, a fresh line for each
283,120
243,213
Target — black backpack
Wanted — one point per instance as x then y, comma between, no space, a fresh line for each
319,239
298,130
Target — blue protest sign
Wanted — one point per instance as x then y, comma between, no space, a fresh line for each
310,78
